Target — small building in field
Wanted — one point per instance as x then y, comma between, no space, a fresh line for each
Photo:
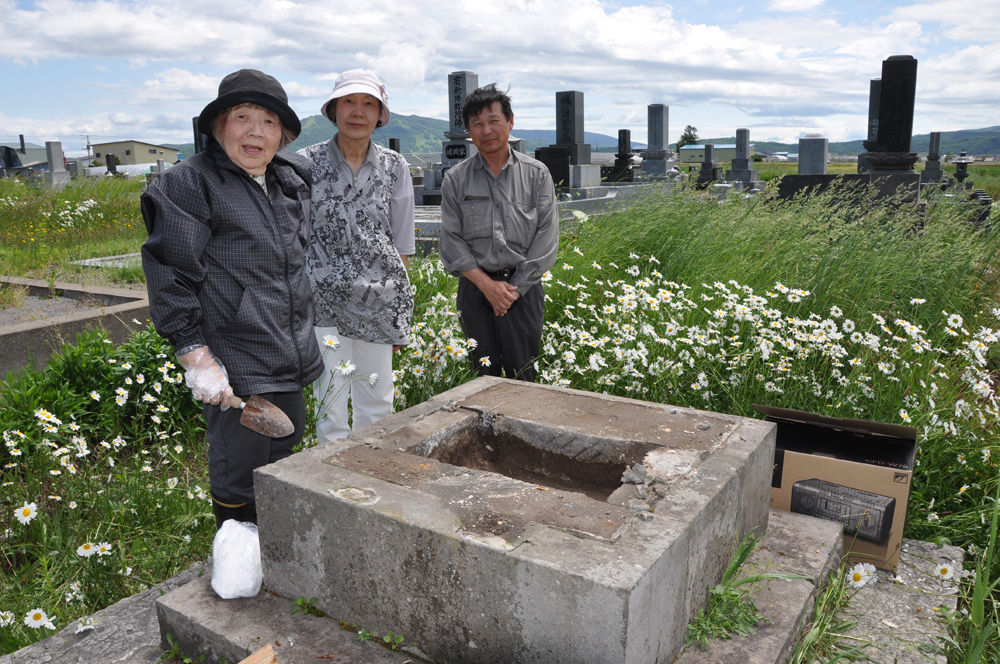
133,152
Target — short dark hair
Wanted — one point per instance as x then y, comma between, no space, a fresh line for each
485,97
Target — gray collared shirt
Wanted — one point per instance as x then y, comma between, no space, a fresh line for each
507,221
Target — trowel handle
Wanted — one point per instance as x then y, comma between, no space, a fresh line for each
236,402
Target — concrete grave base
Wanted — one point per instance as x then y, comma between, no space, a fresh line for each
493,520
31,343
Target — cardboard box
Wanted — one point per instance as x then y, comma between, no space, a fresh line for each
857,472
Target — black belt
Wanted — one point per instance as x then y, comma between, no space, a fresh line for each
501,275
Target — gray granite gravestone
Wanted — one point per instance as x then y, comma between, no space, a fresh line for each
557,159
569,125
887,166
570,136
458,146
741,169
622,169
200,139
932,167
874,89
656,160
57,176
814,151
709,171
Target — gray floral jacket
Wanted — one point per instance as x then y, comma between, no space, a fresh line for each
225,267
359,233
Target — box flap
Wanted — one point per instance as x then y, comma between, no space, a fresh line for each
773,413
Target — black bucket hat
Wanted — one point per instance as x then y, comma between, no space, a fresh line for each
250,86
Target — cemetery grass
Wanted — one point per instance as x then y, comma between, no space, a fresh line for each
852,311
42,231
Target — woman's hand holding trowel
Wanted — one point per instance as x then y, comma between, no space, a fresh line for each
206,376
209,383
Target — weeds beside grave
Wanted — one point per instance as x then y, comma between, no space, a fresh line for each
42,230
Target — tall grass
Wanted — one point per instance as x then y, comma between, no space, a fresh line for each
41,231
866,311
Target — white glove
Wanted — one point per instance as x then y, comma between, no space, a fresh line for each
206,376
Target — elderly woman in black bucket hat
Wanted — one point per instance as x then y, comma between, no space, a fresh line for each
225,271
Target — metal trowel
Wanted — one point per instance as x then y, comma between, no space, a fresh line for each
262,416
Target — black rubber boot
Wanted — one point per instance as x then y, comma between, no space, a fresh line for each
241,512
248,512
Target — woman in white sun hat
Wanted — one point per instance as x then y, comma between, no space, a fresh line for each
362,216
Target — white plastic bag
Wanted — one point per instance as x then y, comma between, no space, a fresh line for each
236,568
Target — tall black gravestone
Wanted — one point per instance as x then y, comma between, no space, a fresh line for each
888,151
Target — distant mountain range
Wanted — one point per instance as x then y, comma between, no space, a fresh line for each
420,134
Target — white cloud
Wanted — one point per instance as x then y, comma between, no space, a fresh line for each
779,68
794,5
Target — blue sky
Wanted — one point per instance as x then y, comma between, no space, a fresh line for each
782,68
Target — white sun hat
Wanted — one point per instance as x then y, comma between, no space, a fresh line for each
354,81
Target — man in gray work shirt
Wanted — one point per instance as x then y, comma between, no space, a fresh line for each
499,235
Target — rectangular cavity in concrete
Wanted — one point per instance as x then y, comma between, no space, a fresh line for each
507,521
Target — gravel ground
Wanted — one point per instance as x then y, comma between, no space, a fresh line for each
40,308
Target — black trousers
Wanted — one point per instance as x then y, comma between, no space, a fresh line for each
235,451
512,341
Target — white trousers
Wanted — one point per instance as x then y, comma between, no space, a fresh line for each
369,403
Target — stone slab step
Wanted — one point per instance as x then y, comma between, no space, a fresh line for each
894,620
794,544
231,630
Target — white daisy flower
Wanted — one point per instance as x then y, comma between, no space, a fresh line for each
25,513
861,574
36,618
86,623
944,571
